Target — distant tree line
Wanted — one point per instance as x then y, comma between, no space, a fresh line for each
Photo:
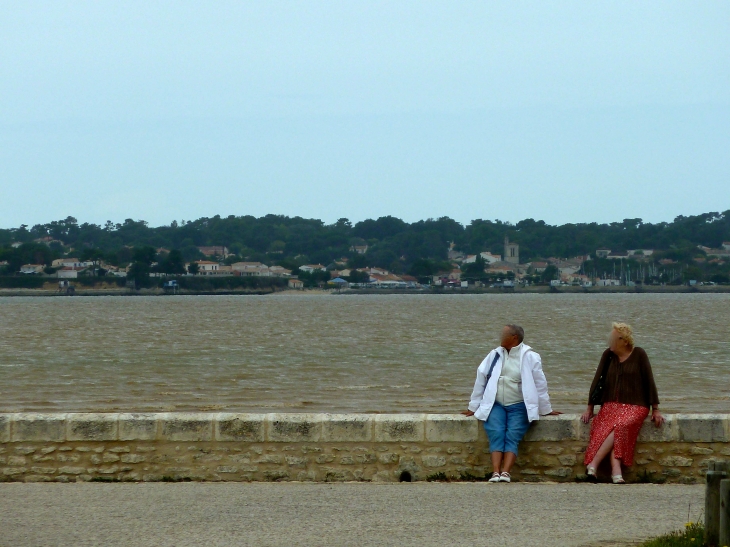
419,248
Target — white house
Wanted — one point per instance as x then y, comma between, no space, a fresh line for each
538,266
295,283
640,252
251,269
70,263
207,267
32,268
608,283
68,273
279,271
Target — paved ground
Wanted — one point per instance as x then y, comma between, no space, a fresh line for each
423,514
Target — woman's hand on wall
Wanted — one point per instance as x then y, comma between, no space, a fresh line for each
468,413
657,418
587,415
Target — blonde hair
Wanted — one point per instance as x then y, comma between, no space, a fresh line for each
626,332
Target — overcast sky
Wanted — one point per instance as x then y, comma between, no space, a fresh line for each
561,111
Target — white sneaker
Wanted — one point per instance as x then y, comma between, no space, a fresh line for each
505,477
496,477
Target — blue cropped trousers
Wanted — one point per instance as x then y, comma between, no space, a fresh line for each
505,427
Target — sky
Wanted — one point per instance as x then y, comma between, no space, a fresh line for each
560,111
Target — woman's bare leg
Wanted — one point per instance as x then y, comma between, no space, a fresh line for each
496,461
509,461
606,448
615,464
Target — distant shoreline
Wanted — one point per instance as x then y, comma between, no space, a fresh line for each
539,289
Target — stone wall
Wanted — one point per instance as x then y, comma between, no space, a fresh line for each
327,447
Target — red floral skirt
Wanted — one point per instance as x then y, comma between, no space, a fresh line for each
625,421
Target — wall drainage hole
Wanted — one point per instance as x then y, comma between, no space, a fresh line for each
405,476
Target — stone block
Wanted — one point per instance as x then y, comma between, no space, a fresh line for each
133,458
400,428
292,428
389,458
91,427
676,461
137,427
567,459
582,431
67,470
186,426
43,470
5,428
38,427
276,475
108,470
560,472
295,461
343,428
433,461
226,469
552,450
13,471
451,428
703,428
666,433
366,458
270,458
248,428
553,428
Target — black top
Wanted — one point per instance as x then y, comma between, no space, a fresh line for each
630,382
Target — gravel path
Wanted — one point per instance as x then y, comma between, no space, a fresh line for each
423,514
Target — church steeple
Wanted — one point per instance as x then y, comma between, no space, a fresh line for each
511,251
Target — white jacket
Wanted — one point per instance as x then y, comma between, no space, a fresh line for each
534,384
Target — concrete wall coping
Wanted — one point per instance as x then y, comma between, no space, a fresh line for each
313,428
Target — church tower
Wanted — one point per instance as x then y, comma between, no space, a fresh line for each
511,251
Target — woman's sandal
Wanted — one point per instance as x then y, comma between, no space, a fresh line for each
505,477
618,479
495,477
591,473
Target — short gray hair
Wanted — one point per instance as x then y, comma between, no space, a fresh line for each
517,331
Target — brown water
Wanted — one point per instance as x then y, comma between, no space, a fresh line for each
411,353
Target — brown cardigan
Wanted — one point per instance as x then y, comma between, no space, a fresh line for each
630,382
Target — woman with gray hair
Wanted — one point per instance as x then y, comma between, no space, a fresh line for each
510,392
624,387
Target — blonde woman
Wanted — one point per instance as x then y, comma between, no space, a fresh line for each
624,387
